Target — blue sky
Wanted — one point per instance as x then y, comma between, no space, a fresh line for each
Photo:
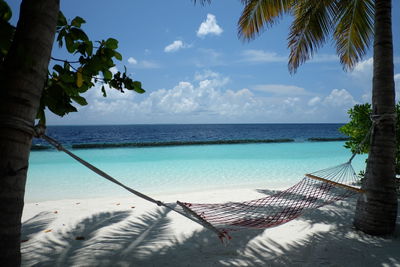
196,70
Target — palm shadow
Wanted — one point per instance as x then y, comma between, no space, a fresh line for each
132,239
118,239
60,248
36,224
337,244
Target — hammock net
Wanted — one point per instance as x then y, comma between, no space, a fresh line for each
313,191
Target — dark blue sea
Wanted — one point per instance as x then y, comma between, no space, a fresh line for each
114,134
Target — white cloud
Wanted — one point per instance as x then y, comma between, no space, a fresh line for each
258,56
210,78
205,75
203,99
208,99
175,46
143,64
314,101
363,73
340,98
281,89
209,26
132,61
291,101
363,70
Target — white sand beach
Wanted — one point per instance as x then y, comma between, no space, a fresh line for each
134,232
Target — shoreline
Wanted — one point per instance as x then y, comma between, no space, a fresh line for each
161,194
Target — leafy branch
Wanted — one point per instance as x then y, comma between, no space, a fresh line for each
68,80
67,83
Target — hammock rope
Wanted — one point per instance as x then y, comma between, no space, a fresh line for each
315,190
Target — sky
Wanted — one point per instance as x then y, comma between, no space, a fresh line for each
195,69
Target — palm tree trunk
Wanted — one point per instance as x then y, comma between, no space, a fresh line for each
376,212
22,79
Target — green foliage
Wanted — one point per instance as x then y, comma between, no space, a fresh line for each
6,30
358,128
69,79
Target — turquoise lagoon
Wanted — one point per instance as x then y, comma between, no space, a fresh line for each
54,175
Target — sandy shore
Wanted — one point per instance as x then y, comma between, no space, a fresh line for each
134,232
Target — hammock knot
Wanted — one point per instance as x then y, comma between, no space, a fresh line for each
377,118
40,130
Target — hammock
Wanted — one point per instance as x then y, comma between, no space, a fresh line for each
313,191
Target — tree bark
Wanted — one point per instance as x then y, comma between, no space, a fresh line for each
376,211
22,79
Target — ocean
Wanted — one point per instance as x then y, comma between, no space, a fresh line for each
69,135
182,166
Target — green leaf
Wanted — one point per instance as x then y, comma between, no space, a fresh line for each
5,11
107,75
60,36
69,44
58,68
80,100
78,34
137,84
6,36
77,22
89,48
67,78
111,43
137,87
117,55
61,21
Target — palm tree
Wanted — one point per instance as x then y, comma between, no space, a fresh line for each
353,23
23,75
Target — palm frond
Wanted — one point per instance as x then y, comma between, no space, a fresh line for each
354,30
258,14
313,22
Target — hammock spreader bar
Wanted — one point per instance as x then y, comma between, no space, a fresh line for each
358,190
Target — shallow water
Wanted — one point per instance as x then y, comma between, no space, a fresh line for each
54,175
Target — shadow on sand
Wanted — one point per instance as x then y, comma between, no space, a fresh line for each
125,239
